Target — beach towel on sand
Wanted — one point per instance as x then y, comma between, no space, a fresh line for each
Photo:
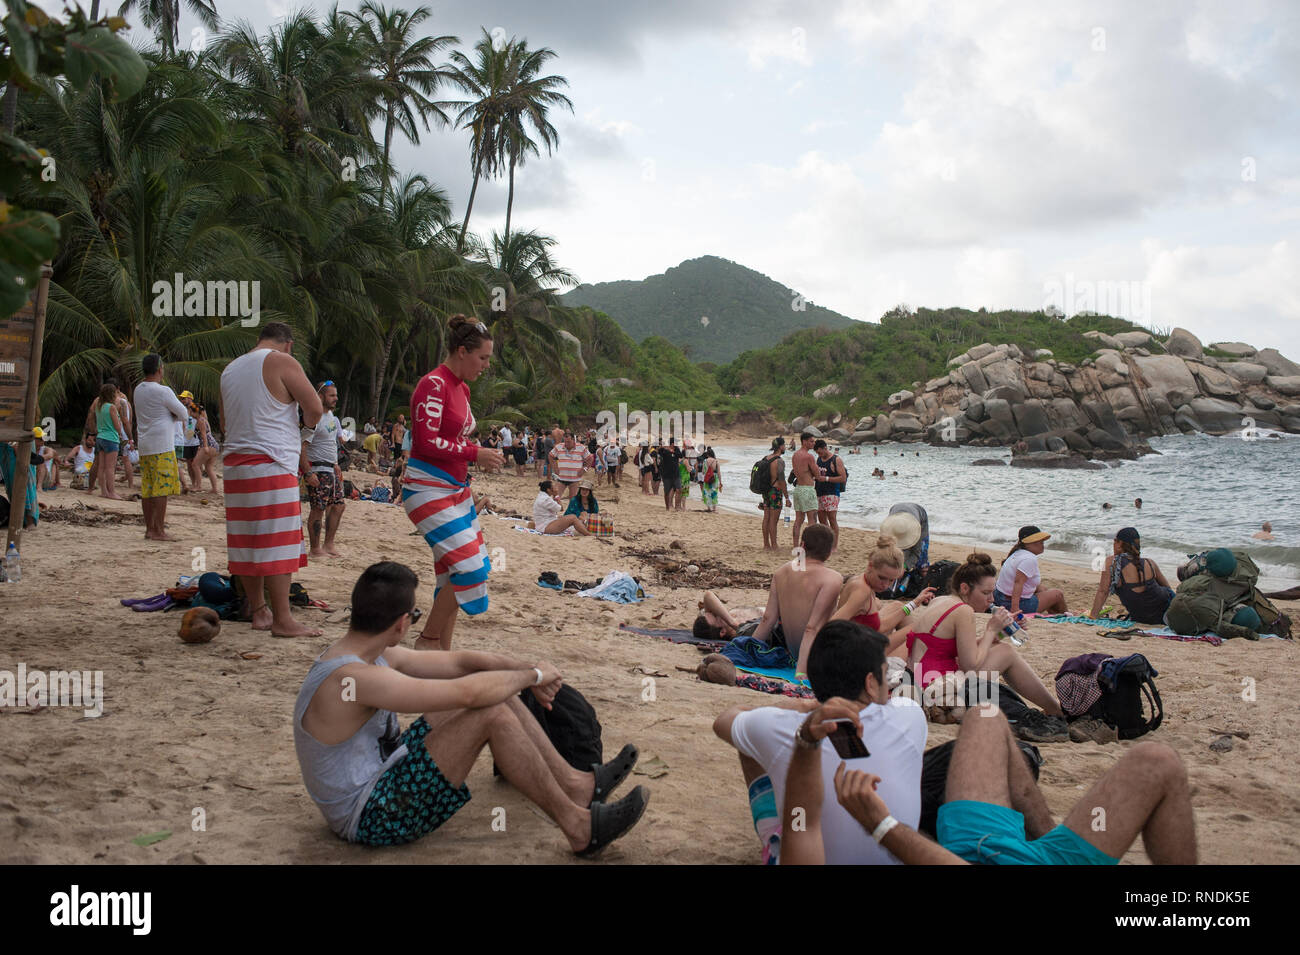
442,510
674,635
263,517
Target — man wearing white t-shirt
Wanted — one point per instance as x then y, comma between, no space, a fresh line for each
847,660
159,413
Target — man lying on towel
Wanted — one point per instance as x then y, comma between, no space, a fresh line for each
378,786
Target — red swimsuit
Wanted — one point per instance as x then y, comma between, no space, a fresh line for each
871,620
940,655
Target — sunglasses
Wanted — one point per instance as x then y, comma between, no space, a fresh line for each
327,384
415,615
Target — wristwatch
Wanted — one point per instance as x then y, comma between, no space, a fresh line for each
802,739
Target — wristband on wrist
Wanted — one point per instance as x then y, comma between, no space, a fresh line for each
882,830
908,608
802,739
538,671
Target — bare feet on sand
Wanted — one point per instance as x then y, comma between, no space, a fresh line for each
159,537
297,630
262,618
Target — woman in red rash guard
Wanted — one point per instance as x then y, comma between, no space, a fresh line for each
435,488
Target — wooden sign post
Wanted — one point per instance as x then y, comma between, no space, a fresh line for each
20,374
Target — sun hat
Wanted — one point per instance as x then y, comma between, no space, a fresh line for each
585,482
186,394
903,527
1029,534
38,433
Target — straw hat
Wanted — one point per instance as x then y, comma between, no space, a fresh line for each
903,527
588,480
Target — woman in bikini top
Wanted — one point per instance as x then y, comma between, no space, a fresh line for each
858,600
951,643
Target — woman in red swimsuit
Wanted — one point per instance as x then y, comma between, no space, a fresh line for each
942,639
435,483
858,600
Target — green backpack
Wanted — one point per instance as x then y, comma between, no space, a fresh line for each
1205,602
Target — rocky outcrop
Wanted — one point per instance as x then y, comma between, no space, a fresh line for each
1055,414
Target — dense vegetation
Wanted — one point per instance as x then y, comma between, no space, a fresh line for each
870,361
744,308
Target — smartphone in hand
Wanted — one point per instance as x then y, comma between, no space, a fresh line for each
847,742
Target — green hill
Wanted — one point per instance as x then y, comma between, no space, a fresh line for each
744,309
870,361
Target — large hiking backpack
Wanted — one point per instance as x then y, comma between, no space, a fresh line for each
1125,682
1206,602
760,476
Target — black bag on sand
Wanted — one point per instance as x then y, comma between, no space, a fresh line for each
1122,692
571,726
934,779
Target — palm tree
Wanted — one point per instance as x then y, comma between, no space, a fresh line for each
403,65
528,99
485,79
164,18
529,322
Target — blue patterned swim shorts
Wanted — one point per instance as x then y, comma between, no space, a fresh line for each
411,799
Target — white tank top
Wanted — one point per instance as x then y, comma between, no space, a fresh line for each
256,421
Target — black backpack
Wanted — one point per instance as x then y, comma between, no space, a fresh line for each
760,476
1122,693
571,725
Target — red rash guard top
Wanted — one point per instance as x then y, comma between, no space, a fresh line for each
441,423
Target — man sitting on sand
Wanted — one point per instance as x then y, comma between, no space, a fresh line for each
378,786
848,663
994,812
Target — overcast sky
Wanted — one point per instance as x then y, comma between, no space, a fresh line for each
998,154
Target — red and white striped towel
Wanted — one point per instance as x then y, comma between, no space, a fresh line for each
263,517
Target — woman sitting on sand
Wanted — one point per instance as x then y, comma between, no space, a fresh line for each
858,600
546,514
584,502
1135,579
1020,584
942,638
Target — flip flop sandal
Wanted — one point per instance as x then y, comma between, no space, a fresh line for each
1119,633
608,822
614,772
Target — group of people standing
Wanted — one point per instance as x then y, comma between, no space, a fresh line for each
676,469
816,480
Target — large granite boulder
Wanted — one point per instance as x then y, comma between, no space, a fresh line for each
1216,415
1041,354
799,424
1031,417
1112,370
1133,339
1275,363
934,384
884,427
975,409
1048,459
974,377
1169,376
866,423
1064,413
900,398
959,360
862,437
1288,385
1236,349
1184,344
837,434
904,423
1214,382
826,391
1186,421
979,351
1245,371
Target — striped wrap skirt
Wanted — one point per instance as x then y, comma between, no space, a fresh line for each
442,510
263,517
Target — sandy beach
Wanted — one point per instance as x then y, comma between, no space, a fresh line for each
203,733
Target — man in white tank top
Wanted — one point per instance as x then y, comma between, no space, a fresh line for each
261,392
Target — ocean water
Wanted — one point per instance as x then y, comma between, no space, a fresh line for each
1197,492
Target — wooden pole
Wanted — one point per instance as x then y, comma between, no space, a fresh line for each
22,463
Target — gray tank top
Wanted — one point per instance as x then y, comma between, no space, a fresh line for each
339,778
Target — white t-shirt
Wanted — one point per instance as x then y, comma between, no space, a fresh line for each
895,735
323,443
612,455
545,510
507,439
160,418
82,459
1021,561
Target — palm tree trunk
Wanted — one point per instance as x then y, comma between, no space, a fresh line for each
94,11
460,244
381,366
510,202
397,371
388,142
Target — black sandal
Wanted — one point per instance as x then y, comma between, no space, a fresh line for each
608,822
612,773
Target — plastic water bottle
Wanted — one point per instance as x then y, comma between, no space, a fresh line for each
13,565
1014,632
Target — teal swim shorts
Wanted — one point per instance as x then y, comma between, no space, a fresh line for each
987,834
